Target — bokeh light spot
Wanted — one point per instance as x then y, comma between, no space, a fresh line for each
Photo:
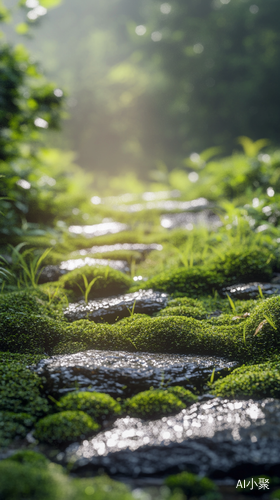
156,36
140,30
165,8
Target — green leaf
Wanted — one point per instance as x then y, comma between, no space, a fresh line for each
49,4
22,28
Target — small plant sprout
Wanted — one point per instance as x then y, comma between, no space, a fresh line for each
131,311
260,292
29,265
270,321
244,334
87,286
212,375
231,303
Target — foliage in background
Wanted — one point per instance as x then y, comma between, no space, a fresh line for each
152,82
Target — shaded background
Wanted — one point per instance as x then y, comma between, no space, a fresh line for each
149,83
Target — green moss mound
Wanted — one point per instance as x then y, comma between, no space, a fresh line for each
99,406
14,425
189,311
64,427
20,390
242,265
28,324
179,334
153,404
27,482
186,396
257,381
108,281
193,485
69,348
29,457
100,488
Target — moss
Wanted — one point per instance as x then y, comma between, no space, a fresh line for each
256,381
189,311
100,488
20,390
109,282
30,301
153,404
177,334
28,324
64,427
27,482
14,425
232,267
69,348
29,457
193,485
99,406
186,396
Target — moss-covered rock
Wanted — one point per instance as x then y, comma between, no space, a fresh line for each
20,390
28,324
153,404
256,381
69,347
100,488
189,311
108,281
242,265
193,485
179,334
186,396
98,405
14,425
24,481
64,427
29,457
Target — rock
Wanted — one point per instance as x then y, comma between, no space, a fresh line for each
123,374
248,291
217,438
111,308
53,273
107,227
189,219
71,264
136,247
50,273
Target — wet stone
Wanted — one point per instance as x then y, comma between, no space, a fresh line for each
190,219
53,273
248,291
117,307
123,374
218,438
136,247
107,227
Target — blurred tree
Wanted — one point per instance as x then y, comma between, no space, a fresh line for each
29,104
152,80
